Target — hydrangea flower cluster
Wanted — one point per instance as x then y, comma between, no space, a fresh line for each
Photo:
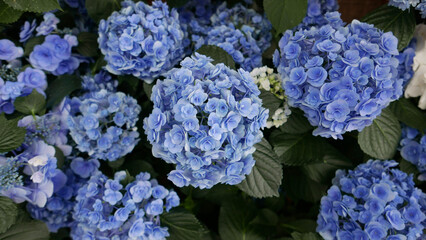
341,77
374,201
241,32
206,119
406,62
315,15
41,176
104,124
58,210
106,210
406,4
101,80
54,55
267,80
142,40
413,149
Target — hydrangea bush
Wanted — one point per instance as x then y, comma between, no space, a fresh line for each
373,201
413,149
341,77
206,119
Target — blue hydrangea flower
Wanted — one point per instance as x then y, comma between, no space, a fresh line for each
104,124
106,209
54,55
48,25
58,210
374,201
141,40
27,30
100,81
406,60
413,149
406,4
241,32
206,120
341,77
40,175
14,83
8,50
422,8
315,15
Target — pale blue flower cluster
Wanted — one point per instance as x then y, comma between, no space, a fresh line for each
101,80
40,175
341,77
375,201
104,124
27,30
406,4
206,120
142,40
58,210
406,60
9,173
54,55
107,210
14,84
315,15
413,149
48,25
241,32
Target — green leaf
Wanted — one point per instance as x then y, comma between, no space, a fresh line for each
297,123
217,54
270,101
177,3
266,175
381,138
183,225
32,230
11,136
298,149
408,167
285,14
300,186
31,104
234,221
392,19
38,6
8,213
60,88
265,222
31,43
87,44
305,236
101,9
8,14
147,88
408,113
301,225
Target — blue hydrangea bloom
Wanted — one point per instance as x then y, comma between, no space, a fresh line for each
106,209
375,201
8,50
14,83
422,8
27,30
413,149
405,58
340,76
242,32
54,55
48,25
40,175
100,81
206,120
406,4
104,124
142,40
58,210
315,15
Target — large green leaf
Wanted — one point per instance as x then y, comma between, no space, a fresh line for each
217,54
270,101
299,186
32,230
183,225
60,88
234,221
31,104
305,236
8,14
298,149
285,14
296,123
38,6
88,44
266,175
8,213
381,138
408,113
101,9
11,136
392,19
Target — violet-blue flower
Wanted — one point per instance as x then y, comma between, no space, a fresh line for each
413,149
